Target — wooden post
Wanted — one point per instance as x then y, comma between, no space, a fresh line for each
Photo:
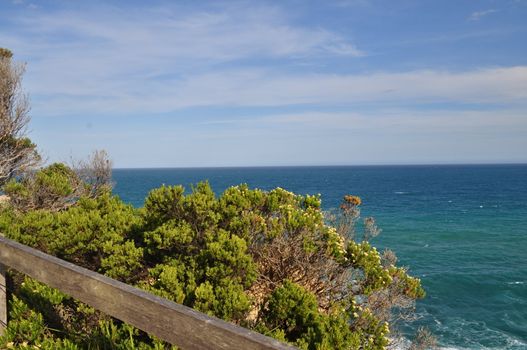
3,299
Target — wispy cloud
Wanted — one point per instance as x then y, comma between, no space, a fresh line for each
394,121
28,5
477,15
351,3
261,87
386,135
178,36
140,75
105,55
109,61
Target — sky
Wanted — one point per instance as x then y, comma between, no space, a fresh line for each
261,83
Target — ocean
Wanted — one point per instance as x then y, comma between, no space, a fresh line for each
461,228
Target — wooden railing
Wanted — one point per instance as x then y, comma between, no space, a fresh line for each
174,323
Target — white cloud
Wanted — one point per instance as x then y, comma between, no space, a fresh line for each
106,62
383,136
387,121
174,37
352,3
111,61
254,87
105,58
477,15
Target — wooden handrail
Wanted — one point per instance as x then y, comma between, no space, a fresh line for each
169,321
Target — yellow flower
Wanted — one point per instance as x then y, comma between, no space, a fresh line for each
353,200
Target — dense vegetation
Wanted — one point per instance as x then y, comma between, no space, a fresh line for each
268,261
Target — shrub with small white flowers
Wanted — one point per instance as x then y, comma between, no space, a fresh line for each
267,260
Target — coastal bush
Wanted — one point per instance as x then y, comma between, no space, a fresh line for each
58,186
17,153
271,261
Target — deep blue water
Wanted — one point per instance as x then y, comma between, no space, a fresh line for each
461,229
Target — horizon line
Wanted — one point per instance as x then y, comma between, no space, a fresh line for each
322,166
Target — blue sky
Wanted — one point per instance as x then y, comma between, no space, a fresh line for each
241,83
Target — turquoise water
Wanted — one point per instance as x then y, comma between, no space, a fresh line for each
461,229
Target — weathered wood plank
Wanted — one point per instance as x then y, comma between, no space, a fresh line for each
174,323
3,299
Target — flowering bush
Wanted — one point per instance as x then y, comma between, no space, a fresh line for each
269,261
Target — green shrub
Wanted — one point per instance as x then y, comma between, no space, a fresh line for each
265,260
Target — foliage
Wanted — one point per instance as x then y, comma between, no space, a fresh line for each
17,153
424,340
265,260
95,173
58,186
51,188
95,233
